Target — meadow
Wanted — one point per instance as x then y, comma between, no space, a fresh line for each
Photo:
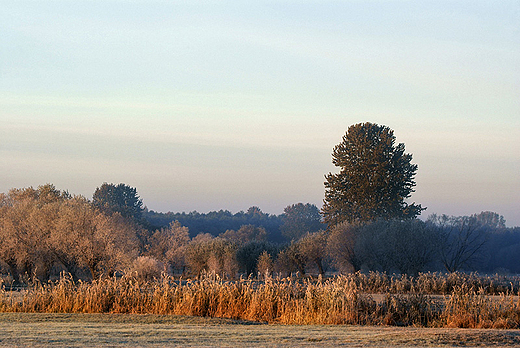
134,330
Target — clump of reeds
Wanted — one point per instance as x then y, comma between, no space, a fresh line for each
340,300
433,283
408,310
470,308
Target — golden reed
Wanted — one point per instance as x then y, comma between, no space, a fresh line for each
345,299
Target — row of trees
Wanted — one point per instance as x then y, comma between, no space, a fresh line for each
217,222
449,243
45,231
404,246
296,220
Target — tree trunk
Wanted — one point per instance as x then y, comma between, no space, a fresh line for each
93,272
319,263
14,272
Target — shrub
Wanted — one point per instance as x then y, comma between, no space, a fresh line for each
146,268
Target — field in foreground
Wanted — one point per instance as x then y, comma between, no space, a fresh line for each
131,330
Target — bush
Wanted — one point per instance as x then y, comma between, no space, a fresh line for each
146,268
248,254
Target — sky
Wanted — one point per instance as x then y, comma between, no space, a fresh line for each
209,105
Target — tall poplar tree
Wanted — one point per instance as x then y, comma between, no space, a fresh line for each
376,176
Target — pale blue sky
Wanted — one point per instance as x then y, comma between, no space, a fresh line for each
208,105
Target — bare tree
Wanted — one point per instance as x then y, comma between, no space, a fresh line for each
285,262
407,246
372,247
313,249
26,225
410,245
461,239
341,245
245,234
265,263
169,245
207,253
103,244
11,248
490,219
294,258
146,268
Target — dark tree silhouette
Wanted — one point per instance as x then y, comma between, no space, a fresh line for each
461,240
121,198
313,248
218,222
298,219
490,219
376,177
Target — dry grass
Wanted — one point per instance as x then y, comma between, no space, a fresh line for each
473,309
434,283
338,300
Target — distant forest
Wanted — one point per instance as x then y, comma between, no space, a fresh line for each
218,222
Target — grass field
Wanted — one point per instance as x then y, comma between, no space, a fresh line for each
131,330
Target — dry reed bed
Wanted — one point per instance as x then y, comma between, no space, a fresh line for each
434,283
338,300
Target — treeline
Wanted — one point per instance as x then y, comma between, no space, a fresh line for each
480,242
218,222
45,231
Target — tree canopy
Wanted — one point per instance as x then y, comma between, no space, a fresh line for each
120,198
45,230
298,219
376,177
